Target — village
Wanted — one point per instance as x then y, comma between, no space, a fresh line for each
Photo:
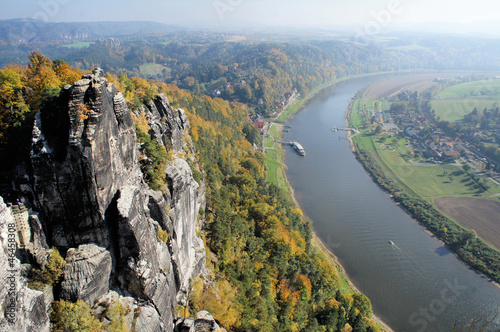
408,114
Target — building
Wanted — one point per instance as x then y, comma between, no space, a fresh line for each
431,152
450,155
21,215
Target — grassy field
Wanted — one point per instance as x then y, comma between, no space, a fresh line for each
454,109
152,69
475,88
79,45
397,159
426,180
274,153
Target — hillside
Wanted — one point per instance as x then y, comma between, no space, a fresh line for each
21,31
136,194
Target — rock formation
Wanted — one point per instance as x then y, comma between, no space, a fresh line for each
86,274
94,204
23,309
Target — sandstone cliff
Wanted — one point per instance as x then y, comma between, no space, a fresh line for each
93,202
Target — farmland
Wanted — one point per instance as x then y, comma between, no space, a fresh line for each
453,110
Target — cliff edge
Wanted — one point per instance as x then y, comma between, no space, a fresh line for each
93,204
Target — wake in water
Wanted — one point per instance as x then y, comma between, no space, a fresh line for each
408,264
394,245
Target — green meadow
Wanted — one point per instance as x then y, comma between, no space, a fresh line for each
414,175
475,88
454,109
152,69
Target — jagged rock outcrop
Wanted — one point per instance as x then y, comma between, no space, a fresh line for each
86,274
167,125
23,309
204,322
140,315
36,249
89,190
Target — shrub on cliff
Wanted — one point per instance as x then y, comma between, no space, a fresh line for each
68,317
54,267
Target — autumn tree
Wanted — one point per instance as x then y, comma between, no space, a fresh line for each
54,267
73,317
219,298
41,79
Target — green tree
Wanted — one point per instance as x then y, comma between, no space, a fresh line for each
363,304
73,317
379,130
469,236
54,267
116,315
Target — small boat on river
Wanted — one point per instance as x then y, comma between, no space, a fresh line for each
300,150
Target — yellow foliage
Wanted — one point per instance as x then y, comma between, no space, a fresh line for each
144,89
181,311
83,111
303,284
333,304
54,268
218,297
73,317
142,122
67,74
347,328
348,298
258,266
116,315
162,235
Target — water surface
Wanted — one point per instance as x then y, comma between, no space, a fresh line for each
415,284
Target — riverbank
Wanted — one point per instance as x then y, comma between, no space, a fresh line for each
346,285
301,102
465,244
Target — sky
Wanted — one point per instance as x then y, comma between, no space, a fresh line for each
364,14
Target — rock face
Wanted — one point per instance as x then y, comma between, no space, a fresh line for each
80,164
23,309
167,125
86,274
204,322
90,194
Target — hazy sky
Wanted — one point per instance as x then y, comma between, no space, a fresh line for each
224,13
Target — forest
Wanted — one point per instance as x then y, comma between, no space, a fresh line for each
259,250
252,69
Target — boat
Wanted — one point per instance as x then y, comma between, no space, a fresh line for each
391,243
300,150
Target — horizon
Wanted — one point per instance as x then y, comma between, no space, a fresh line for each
370,16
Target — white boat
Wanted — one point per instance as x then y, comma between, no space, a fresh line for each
300,150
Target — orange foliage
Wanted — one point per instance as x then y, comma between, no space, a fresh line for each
218,297
83,111
67,74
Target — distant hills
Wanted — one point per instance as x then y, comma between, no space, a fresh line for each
20,31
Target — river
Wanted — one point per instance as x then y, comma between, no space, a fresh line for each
415,284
